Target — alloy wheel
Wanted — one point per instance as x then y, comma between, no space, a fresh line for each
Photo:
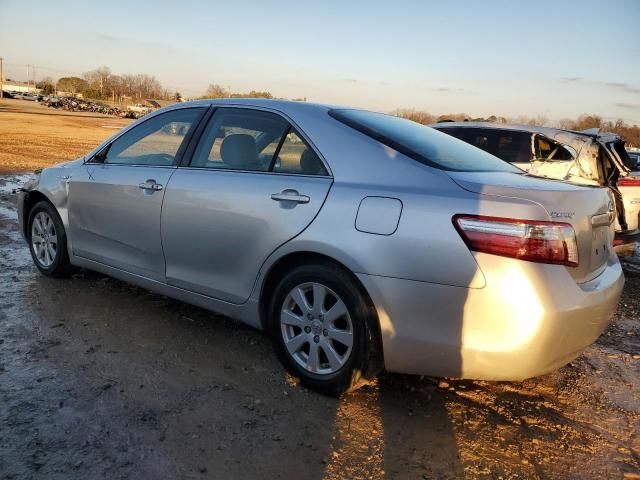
44,239
316,328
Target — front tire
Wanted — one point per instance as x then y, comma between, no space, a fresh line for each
323,329
48,240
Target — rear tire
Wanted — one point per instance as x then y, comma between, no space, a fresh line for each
48,240
323,329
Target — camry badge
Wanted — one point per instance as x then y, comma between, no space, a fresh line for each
562,214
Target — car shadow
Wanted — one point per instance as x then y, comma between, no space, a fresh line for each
397,428
154,387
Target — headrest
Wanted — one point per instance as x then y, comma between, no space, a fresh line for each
310,163
239,150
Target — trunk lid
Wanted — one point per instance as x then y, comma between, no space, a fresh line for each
589,210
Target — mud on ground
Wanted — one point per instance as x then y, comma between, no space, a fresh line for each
102,380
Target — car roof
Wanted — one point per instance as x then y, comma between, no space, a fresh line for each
284,106
546,131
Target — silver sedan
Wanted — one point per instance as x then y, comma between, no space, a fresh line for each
359,241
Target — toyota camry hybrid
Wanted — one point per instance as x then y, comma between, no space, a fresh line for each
359,241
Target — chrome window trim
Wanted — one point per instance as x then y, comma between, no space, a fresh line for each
261,172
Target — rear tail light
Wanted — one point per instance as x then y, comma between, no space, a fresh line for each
629,182
531,240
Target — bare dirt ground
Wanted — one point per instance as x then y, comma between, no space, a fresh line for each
33,136
102,380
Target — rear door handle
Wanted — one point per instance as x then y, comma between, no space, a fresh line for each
290,196
150,185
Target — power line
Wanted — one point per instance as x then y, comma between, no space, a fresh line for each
41,67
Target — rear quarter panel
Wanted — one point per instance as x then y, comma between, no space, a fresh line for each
425,246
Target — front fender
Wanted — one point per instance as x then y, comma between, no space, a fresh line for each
51,185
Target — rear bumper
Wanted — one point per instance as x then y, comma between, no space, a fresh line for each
529,319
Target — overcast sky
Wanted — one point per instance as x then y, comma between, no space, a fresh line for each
552,58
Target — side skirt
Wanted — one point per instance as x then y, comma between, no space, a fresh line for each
247,312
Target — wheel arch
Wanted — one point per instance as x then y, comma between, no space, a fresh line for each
31,199
287,262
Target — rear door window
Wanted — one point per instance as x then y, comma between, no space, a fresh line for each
482,139
508,145
514,147
255,140
240,139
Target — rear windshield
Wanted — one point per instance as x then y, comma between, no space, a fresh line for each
421,143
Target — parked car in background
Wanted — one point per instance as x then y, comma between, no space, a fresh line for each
139,108
358,240
589,158
53,101
5,94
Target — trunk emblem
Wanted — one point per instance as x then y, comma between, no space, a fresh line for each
562,214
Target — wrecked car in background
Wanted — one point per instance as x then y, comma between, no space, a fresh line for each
589,157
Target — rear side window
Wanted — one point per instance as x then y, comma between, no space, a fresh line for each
546,149
423,144
514,147
509,145
295,156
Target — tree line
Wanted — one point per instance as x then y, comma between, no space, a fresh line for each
102,84
630,133
217,91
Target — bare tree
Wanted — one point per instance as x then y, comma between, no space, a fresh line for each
216,91
419,116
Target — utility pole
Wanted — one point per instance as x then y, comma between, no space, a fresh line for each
1,78
31,76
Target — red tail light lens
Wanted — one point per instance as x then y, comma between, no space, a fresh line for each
531,240
629,182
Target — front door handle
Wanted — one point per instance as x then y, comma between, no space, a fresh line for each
150,185
290,195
